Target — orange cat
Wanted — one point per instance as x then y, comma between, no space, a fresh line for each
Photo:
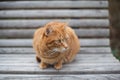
55,44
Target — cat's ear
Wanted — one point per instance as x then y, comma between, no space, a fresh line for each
48,31
64,26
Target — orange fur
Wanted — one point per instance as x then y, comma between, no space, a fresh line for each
55,44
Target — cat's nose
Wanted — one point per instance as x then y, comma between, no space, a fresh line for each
65,45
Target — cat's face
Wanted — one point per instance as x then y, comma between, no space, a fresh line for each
56,37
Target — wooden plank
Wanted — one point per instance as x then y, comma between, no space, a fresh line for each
36,23
79,69
28,61
92,33
80,54
28,42
95,49
72,68
25,50
81,59
28,33
61,76
52,4
95,13
73,64
18,59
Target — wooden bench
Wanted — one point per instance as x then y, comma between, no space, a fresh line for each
89,19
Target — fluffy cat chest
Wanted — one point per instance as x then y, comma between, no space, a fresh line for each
51,60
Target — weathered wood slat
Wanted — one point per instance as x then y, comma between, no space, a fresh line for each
80,65
28,33
67,68
54,13
52,4
61,76
35,23
25,50
72,64
82,68
15,60
28,42
22,61
80,54
18,59
95,49
28,61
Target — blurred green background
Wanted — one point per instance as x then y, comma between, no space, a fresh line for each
114,10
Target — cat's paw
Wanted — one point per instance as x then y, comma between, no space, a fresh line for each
58,66
43,65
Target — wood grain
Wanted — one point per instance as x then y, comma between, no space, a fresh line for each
28,42
86,13
36,23
60,76
28,33
52,4
29,59
84,63
24,50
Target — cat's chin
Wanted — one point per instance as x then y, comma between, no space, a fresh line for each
59,50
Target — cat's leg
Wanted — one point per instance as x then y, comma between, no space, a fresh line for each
43,65
58,65
38,59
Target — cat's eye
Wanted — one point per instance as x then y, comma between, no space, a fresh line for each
57,41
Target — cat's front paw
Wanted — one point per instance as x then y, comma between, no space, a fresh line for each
43,65
58,66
